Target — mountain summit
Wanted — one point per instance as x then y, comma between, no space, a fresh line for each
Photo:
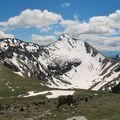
66,63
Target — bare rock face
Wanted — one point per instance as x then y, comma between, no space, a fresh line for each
116,58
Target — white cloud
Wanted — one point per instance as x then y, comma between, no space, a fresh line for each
3,35
41,38
96,25
103,43
33,18
77,27
76,16
66,4
74,27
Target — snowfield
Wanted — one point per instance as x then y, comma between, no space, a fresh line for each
53,93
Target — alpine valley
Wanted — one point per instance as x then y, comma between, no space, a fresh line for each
65,80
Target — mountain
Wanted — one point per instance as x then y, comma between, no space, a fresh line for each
116,58
66,63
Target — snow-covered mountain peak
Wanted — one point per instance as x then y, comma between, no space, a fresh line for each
67,38
64,36
66,63
66,43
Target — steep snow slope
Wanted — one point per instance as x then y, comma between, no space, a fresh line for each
84,64
66,63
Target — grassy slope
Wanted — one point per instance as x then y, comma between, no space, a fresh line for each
9,81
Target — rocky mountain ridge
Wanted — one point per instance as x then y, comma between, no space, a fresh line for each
66,63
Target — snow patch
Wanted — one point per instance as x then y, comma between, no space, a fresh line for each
53,93
19,73
32,48
29,75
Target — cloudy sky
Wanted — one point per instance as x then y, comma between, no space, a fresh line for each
41,21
